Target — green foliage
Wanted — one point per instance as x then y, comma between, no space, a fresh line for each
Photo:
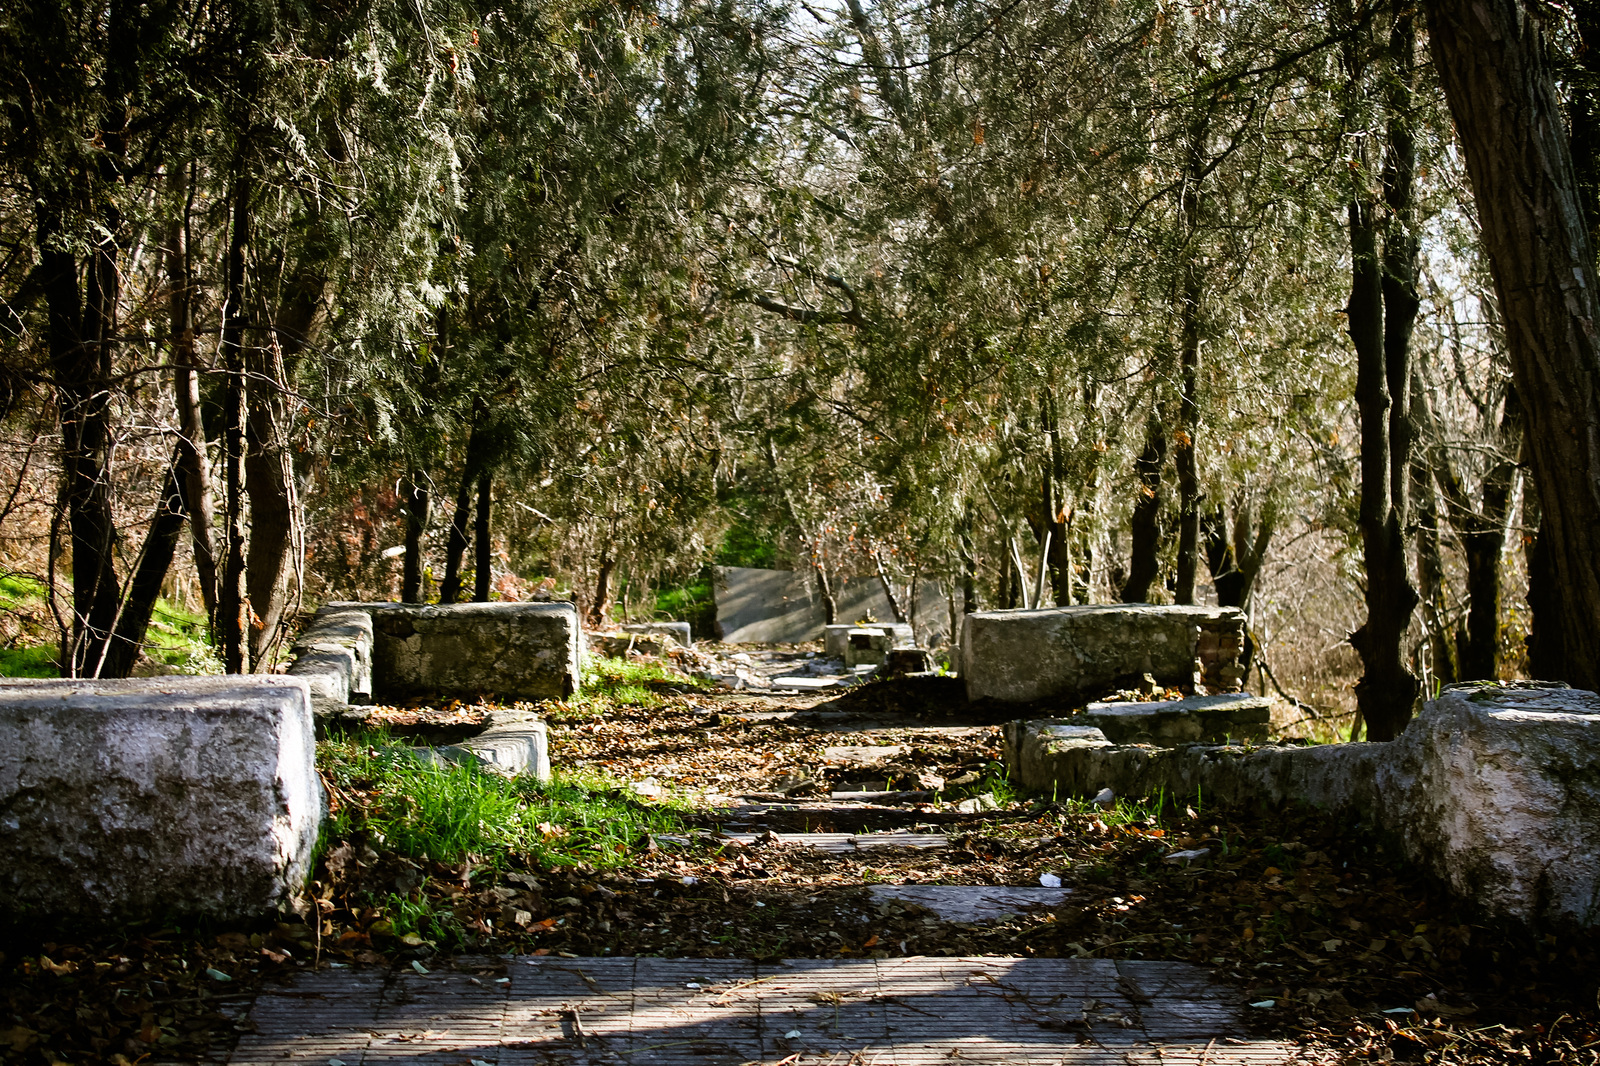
609,683
423,807
745,545
36,661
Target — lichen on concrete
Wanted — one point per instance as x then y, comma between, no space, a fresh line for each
191,796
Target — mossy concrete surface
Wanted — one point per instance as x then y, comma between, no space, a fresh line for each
193,796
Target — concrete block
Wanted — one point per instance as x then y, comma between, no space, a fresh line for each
1193,720
1073,654
122,800
678,631
836,640
513,650
1503,797
513,745
334,656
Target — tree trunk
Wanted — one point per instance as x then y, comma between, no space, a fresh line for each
601,604
1381,313
1445,662
1144,563
80,371
155,560
830,606
1491,57
194,454
416,505
233,596
1184,457
895,607
482,568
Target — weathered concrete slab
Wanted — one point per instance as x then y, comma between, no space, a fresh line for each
805,1012
334,655
783,606
143,798
1497,788
513,650
1192,720
514,744
973,903
1077,653
678,631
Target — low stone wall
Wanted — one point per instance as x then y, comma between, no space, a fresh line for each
352,653
1495,789
516,651
1074,654
192,796
1194,720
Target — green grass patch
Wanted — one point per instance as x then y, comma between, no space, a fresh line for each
611,683
447,812
176,637
37,661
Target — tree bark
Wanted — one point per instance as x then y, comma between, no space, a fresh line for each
482,568
1184,457
1381,313
1144,563
1491,57
416,505
233,596
193,452
601,604
155,560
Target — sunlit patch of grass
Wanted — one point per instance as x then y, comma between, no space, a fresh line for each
37,661
418,806
176,637
611,683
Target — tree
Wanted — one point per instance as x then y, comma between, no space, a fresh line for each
1492,58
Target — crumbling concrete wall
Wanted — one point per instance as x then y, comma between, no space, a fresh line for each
1074,654
193,796
1493,788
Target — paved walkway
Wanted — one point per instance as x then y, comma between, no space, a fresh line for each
731,1012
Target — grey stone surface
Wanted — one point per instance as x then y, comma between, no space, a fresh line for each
783,607
678,631
973,903
514,744
1194,719
601,1011
1076,653
334,656
836,642
513,650
145,798
1495,789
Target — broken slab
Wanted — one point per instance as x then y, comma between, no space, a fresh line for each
784,607
137,799
516,651
1073,654
1192,720
517,743
678,631
973,903
1495,789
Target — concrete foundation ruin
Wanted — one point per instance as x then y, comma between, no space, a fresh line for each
1073,654
355,653
179,796
1493,788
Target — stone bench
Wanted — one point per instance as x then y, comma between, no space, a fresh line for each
1195,719
1493,788
1074,654
176,796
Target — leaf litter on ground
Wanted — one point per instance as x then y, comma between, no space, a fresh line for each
1337,944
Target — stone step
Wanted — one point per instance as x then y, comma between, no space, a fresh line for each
709,1012
1193,720
840,843
974,903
